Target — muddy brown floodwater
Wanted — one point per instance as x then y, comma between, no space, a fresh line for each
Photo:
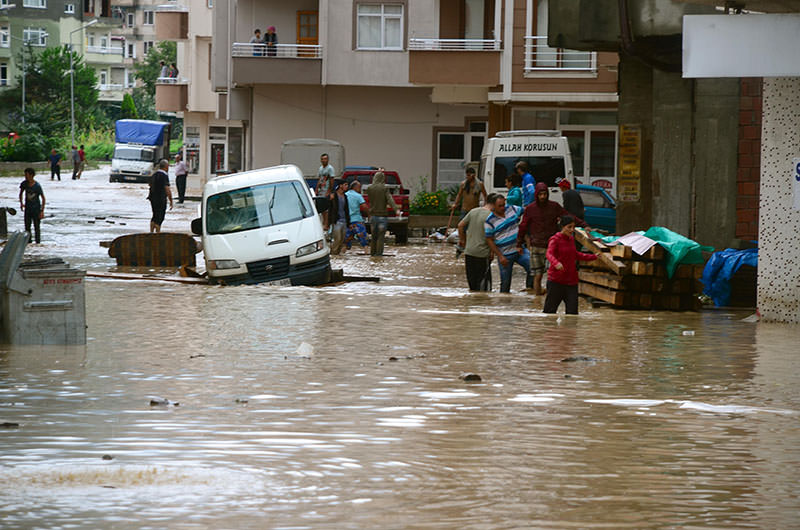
657,429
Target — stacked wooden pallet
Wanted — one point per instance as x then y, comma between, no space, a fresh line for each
626,279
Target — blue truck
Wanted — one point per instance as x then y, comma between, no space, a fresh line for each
139,145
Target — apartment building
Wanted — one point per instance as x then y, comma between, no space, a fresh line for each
412,85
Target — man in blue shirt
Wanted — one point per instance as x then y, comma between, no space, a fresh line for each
502,227
55,165
357,229
528,183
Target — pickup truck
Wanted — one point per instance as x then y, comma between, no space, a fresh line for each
398,224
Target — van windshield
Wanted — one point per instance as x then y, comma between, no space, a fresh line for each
547,169
133,153
257,207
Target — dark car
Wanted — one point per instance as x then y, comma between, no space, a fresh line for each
398,224
600,207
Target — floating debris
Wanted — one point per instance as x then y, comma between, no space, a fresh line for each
108,457
159,401
470,378
579,358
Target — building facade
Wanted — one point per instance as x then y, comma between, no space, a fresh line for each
412,85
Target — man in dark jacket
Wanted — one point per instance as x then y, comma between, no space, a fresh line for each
573,203
539,223
339,217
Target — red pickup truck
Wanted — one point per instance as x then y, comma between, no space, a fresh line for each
398,224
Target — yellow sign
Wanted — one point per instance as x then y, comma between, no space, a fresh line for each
630,163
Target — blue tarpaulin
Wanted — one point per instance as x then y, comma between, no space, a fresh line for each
719,270
145,132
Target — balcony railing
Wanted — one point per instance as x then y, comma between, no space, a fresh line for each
105,50
539,57
172,81
454,44
172,7
291,51
109,86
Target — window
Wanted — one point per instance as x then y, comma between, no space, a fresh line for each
3,3
380,27
34,36
104,41
131,19
69,8
257,207
149,18
103,78
148,45
90,39
210,4
5,39
39,4
130,49
3,74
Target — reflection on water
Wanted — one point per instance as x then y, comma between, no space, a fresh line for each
372,427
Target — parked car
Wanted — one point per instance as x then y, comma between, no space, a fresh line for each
600,207
398,224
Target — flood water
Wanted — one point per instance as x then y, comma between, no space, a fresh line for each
367,424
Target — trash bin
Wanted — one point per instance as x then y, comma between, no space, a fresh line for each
43,302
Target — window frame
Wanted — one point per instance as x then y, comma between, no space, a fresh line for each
403,17
5,36
130,20
41,40
149,14
69,9
4,74
42,4
147,46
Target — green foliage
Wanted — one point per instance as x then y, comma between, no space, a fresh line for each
429,203
175,145
147,71
145,104
30,146
128,108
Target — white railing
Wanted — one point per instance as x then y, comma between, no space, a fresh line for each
293,51
172,81
172,7
105,50
541,57
454,44
109,86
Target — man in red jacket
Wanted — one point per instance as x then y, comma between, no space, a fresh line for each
562,276
539,222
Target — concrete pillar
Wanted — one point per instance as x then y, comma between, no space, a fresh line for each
715,161
636,108
779,221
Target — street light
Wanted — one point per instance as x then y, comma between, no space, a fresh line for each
72,81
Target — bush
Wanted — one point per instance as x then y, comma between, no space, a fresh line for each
429,203
98,144
29,146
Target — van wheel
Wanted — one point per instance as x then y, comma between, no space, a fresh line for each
401,235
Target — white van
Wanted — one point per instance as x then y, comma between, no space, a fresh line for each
263,226
546,152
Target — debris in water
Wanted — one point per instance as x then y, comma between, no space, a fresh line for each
198,355
689,333
109,221
577,358
470,378
9,425
242,400
156,401
567,376
98,217
392,358
108,457
90,222
305,350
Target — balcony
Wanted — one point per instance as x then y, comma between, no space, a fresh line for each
289,64
542,60
172,94
104,50
110,91
460,62
172,22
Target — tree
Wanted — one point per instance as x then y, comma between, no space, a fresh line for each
147,71
128,108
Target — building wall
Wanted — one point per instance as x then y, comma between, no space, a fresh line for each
392,127
749,174
779,219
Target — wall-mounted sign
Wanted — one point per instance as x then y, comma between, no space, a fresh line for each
629,183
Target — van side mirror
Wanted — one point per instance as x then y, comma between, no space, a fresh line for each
197,226
323,204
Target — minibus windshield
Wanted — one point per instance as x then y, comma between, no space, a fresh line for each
547,169
257,207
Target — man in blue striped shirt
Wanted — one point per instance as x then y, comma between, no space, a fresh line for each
501,228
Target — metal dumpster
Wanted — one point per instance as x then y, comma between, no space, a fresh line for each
43,302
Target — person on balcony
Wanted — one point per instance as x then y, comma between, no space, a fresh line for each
257,42
173,71
271,40
164,70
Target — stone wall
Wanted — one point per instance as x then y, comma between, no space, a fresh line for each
779,222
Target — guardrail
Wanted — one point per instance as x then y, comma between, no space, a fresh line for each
286,51
541,57
172,81
105,50
454,44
